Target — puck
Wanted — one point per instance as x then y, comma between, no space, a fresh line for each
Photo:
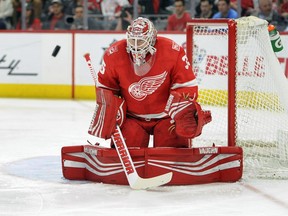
56,51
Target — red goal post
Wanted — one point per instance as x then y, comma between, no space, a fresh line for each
241,82
231,27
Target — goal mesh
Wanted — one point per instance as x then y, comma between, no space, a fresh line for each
243,84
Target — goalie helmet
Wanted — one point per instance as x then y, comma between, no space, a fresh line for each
141,38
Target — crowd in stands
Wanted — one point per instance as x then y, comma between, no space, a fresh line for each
170,15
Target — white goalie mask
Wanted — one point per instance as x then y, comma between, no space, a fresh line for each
141,38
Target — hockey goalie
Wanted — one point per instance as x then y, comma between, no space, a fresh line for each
146,88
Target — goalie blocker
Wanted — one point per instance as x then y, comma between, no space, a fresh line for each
189,166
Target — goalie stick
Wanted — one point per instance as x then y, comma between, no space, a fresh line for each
134,180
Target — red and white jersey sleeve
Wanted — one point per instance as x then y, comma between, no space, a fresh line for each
146,96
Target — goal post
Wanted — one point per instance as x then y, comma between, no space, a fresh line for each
192,29
243,84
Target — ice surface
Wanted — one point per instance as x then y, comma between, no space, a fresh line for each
32,133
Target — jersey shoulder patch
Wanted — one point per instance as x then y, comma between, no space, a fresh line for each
168,44
112,49
175,46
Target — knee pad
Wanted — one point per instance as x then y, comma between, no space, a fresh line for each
134,135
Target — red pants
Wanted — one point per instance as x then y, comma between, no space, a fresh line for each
136,133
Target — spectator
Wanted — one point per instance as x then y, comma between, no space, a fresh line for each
32,23
17,7
16,11
56,19
77,21
283,8
206,9
37,7
6,14
94,6
248,7
266,12
111,9
164,6
234,4
225,10
178,20
150,7
126,17
45,10
2,26
69,8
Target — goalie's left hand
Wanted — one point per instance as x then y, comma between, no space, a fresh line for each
188,115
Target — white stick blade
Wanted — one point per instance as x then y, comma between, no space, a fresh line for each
143,183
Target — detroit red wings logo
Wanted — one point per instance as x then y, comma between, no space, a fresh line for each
146,86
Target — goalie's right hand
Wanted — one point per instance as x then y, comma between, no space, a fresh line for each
188,115
110,110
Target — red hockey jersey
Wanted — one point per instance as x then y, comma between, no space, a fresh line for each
146,96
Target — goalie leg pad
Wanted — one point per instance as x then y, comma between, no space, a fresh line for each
165,136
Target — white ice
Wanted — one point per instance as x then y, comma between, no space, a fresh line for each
32,133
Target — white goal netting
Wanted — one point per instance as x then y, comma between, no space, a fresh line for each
260,100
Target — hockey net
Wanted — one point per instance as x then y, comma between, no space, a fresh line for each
243,84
